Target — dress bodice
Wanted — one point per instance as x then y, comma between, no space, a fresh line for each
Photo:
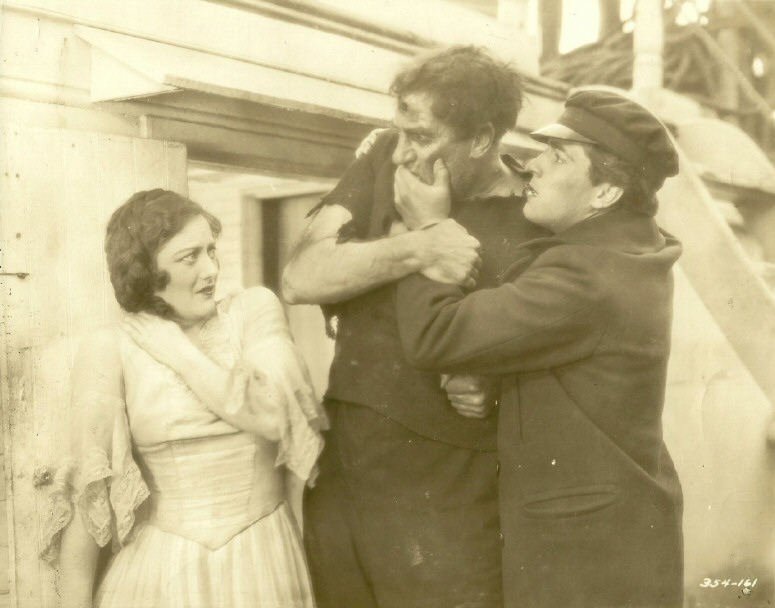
142,437
160,406
207,479
211,488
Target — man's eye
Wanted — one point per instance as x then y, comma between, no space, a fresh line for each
558,159
190,257
212,252
423,140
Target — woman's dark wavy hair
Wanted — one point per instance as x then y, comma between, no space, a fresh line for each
136,232
468,89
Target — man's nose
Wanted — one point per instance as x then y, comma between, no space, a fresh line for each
532,165
403,153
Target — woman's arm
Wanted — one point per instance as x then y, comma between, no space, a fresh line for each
294,493
77,565
97,396
214,386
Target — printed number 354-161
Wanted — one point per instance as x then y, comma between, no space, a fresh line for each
717,582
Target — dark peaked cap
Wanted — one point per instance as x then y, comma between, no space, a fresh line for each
620,126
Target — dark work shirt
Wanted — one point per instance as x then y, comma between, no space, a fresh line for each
369,367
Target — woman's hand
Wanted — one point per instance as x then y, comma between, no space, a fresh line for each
162,339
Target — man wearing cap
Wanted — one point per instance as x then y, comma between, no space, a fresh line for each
579,332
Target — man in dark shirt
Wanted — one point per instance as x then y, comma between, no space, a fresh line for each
405,510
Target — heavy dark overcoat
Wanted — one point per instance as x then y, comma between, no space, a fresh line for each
591,505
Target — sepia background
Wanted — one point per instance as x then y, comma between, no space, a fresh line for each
254,108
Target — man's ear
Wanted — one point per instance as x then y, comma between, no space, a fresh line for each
483,141
606,196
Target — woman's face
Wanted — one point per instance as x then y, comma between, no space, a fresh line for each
190,260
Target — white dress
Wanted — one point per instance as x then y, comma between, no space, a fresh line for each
195,507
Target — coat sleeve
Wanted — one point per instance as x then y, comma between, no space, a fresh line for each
552,314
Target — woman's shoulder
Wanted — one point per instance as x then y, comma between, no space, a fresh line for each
254,299
99,360
257,308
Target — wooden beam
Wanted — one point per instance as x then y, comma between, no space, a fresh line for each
728,39
755,22
648,46
168,66
610,18
550,18
251,149
720,272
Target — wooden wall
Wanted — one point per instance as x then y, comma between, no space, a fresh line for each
715,423
57,190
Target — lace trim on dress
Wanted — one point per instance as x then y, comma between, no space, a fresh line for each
87,487
60,512
93,502
270,366
126,496
274,364
300,442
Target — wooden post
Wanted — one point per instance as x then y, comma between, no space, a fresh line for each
550,17
729,40
610,19
648,43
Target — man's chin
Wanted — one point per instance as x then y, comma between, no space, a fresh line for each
529,211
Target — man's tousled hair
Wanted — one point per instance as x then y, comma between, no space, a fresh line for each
468,89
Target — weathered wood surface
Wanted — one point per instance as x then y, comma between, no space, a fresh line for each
57,190
733,292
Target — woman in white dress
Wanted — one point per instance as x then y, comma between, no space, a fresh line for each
195,429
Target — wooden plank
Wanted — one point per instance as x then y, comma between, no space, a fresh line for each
714,421
160,165
179,67
736,296
87,222
252,252
12,248
22,332
241,115
67,198
50,371
257,151
4,544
